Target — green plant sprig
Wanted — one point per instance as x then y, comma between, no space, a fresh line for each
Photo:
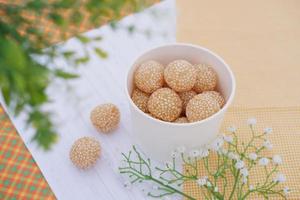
234,161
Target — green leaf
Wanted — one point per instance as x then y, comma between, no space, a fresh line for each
83,39
100,53
57,19
65,75
82,60
68,54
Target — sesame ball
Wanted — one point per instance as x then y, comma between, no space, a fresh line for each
216,95
206,78
85,152
180,75
181,120
140,99
105,117
165,104
186,97
149,76
201,107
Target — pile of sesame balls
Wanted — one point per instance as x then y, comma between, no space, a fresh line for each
179,92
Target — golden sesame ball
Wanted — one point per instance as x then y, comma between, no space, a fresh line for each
216,95
206,78
105,117
181,120
201,107
180,75
186,97
165,104
149,76
140,99
85,152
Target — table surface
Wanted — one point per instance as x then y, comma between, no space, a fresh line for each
101,81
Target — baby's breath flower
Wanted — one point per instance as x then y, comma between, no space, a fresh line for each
280,178
223,151
267,144
155,187
267,130
252,156
174,154
244,172
233,156
202,181
251,187
286,191
181,149
239,164
216,144
244,180
228,138
204,153
251,121
232,129
263,161
194,153
277,159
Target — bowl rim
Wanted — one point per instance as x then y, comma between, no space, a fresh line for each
223,109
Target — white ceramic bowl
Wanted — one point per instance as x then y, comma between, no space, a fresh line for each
158,138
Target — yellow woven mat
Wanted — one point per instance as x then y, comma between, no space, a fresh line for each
259,40
285,139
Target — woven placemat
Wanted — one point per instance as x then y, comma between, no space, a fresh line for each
285,139
20,177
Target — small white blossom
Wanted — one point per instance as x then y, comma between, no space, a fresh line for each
233,156
223,151
244,180
202,181
263,161
286,191
267,144
244,172
204,153
194,153
181,149
277,159
155,187
239,164
251,187
252,156
174,154
228,138
216,144
232,129
251,121
267,130
280,178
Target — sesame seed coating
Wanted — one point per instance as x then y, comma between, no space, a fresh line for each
201,107
149,76
140,99
85,152
186,97
165,104
181,120
180,75
216,95
206,78
105,117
